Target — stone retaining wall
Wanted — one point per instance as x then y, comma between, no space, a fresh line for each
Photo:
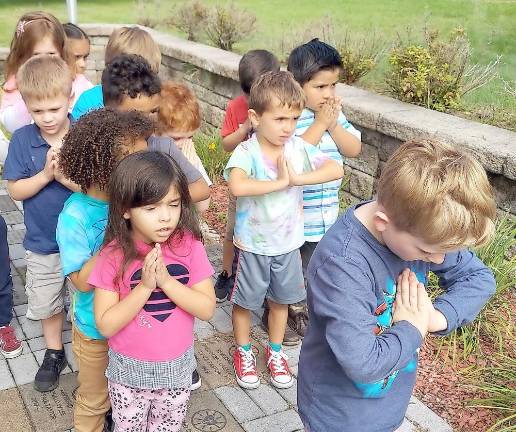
385,122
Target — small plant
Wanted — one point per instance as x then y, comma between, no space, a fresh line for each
212,155
359,56
227,25
146,13
190,18
436,74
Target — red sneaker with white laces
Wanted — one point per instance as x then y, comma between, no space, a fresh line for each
278,368
10,346
244,364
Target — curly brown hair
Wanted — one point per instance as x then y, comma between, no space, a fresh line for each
97,141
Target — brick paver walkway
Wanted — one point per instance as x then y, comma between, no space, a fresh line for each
219,405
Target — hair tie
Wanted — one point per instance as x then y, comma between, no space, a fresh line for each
20,28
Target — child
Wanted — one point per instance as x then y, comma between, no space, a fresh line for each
369,311
36,33
151,279
33,175
129,83
266,173
89,154
10,346
316,66
79,47
125,40
235,129
179,118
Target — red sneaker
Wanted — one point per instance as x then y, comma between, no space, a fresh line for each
10,346
278,368
244,364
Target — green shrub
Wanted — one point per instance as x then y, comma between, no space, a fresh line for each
212,155
190,18
437,73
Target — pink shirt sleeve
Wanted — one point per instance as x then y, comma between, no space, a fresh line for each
80,85
13,111
105,270
201,267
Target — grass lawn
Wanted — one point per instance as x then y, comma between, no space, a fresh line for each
487,23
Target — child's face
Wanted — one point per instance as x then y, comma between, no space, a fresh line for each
320,88
51,115
81,50
277,124
156,222
142,103
45,46
180,138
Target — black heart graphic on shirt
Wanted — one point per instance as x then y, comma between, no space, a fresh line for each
163,309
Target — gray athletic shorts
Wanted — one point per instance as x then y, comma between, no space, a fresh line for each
277,278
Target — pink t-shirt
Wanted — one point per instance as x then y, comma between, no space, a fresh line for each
161,331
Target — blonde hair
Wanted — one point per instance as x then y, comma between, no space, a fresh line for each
282,86
44,77
439,194
133,40
30,29
179,109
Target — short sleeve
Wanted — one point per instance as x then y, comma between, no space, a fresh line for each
241,158
201,267
15,167
105,270
89,100
230,124
73,244
348,127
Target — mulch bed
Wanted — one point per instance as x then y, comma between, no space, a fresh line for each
440,384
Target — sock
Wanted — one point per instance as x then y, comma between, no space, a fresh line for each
246,347
275,347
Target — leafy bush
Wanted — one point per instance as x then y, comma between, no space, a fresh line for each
190,18
227,25
212,155
438,73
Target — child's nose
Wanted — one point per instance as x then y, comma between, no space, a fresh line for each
164,214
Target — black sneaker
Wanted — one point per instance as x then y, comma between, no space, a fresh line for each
196,381
223,285
47,377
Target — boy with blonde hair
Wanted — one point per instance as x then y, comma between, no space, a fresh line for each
125,40
266,174
369,311
45,83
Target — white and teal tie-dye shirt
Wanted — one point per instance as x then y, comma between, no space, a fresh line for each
321,201
271,224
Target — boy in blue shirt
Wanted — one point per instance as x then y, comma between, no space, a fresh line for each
369,311
316,66
33,175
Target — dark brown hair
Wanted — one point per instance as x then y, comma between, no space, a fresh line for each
254,64
142,179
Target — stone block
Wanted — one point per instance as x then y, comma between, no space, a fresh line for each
37,344
19,296
286,421
221,85
203,329
99,41
12,217
367,161
6,379
290,395
16,236
32,329
15,324
14,414
371,137
361,185
173,63
221,321
425,418
267,399
209,96
239,404
70,357
406,426
211,114
20,310
293,354
23,368
16,251
504,191
387,147
7,204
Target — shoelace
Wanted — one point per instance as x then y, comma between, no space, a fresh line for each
8,335
247,360
276,359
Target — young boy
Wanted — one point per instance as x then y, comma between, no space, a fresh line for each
235,129
129,83
369,311
316,66
45,83
125,40
266,173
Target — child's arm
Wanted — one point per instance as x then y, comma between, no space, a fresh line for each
230,141
348,145
328,171
113,314
199,190
468,285
80,278
241,185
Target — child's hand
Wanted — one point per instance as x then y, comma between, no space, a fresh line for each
293,177
148,279
325,116
58,174
247,127
50,163
162,274
412,302
336,104
283,173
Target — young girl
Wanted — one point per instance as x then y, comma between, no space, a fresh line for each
88,156
151,279
79,47
36,33
179,118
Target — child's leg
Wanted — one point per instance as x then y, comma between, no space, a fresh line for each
225,279
168,410
131,407
241,325
53,331
278,314
92,401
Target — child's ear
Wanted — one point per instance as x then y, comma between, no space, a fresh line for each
380,220
127,215
254,117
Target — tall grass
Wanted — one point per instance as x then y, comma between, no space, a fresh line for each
213,157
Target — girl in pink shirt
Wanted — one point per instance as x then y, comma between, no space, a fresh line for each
151,279
36,33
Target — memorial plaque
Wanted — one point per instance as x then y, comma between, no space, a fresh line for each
206,413
13,417
51,411
215,360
